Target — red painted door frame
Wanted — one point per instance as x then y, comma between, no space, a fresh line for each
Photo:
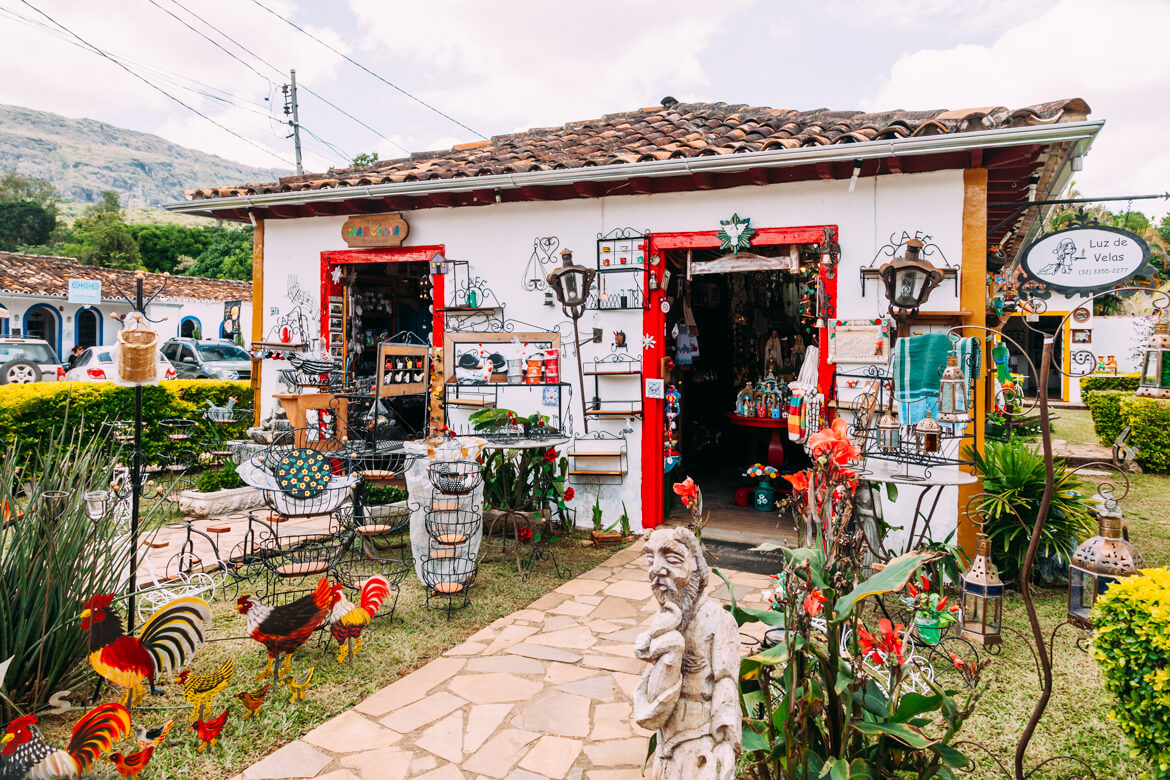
654,343
404,254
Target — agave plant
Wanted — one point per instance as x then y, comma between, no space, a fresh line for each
1014,477
52,558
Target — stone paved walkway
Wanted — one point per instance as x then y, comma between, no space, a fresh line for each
542,693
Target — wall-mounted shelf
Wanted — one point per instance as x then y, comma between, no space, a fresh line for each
613,409
599,456
469,309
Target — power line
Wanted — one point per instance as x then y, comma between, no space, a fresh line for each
154,86
352,61
278,71
209,39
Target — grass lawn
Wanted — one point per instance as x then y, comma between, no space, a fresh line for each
416,636
1077,721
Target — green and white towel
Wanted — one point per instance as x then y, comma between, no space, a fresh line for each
918,365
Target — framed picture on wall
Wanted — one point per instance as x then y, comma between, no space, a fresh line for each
1082,336
859,341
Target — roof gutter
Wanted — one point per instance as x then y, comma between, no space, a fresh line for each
772,158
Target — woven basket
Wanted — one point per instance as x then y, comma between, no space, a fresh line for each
137,359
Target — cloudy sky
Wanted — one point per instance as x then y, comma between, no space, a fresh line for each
499,67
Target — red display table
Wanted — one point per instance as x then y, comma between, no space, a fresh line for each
779,428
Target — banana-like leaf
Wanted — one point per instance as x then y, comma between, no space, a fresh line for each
906,734
893,577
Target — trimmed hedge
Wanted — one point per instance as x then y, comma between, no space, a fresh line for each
1119,382
1105,409
1149,419
32,413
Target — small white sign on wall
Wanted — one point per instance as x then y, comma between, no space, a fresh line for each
655,388
85,291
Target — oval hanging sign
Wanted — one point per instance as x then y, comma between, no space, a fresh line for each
1086,259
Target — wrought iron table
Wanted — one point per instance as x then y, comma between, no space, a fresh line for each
936,479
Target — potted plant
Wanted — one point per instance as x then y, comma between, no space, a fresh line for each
765,496
219,491
932,612
603,536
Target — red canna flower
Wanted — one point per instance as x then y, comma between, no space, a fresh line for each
568,494
834,442
958,663
687,491
550,455
814,602
799,480
884,648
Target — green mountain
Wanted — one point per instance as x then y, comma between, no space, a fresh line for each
83,157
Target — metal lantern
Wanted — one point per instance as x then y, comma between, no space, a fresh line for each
95,504
929,434
1098,563
1155,381
909,280
952,394
982,598
889,432
571,284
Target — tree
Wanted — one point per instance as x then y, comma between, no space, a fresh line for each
161,246
15,188
24,223
229,255
364,159
101,236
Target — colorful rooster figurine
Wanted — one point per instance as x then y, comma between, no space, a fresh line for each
298,685
25,754
252,700
285,628
201,689
129,766
346,621
208,731
166,643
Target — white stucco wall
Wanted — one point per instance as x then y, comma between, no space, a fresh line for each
498,239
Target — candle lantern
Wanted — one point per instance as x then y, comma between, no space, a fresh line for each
1098,563
908,281
95,504
982,598
952,394
889,433
929,434
1155,380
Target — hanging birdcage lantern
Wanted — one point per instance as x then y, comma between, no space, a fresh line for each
929,434
1098,563
889,432
952,394
1155,380
982,598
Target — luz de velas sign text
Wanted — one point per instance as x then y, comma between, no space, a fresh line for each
375,230
1086,259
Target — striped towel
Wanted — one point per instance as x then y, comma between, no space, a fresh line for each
918,365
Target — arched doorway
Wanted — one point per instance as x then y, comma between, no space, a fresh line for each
88,328
190,328
41,322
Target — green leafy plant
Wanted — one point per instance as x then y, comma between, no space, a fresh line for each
222,478
50,565
596,509
1126,382
1105,409
380,496
1014,477
1131,643
1149,422
624,520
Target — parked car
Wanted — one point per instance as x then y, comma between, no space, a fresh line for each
28,360
208,359
96,364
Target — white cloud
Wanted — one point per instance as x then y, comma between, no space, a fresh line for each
530,64
921,16
1113,55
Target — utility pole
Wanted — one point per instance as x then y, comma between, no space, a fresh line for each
290,110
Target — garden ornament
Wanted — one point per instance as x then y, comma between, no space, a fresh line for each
689,693
24,752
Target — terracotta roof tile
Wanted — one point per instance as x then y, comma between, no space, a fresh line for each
49,275
662,132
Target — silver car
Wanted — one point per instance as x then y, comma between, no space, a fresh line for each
208,359
28,360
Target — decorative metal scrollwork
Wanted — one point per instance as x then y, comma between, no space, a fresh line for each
543,254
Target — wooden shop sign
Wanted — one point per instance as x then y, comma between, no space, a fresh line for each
375,230
1086,259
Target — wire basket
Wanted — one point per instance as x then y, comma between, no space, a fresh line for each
137,358
455,477
324,503
448,576
452,527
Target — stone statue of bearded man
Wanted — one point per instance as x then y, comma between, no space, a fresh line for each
689,694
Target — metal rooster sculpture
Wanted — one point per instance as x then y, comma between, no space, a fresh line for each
346,621
166,643
24,754
209,731
129,766
200,690
283,629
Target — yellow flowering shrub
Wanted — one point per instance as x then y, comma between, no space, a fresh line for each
1131,643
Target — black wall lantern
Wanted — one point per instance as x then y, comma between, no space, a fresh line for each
571,284
909,281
